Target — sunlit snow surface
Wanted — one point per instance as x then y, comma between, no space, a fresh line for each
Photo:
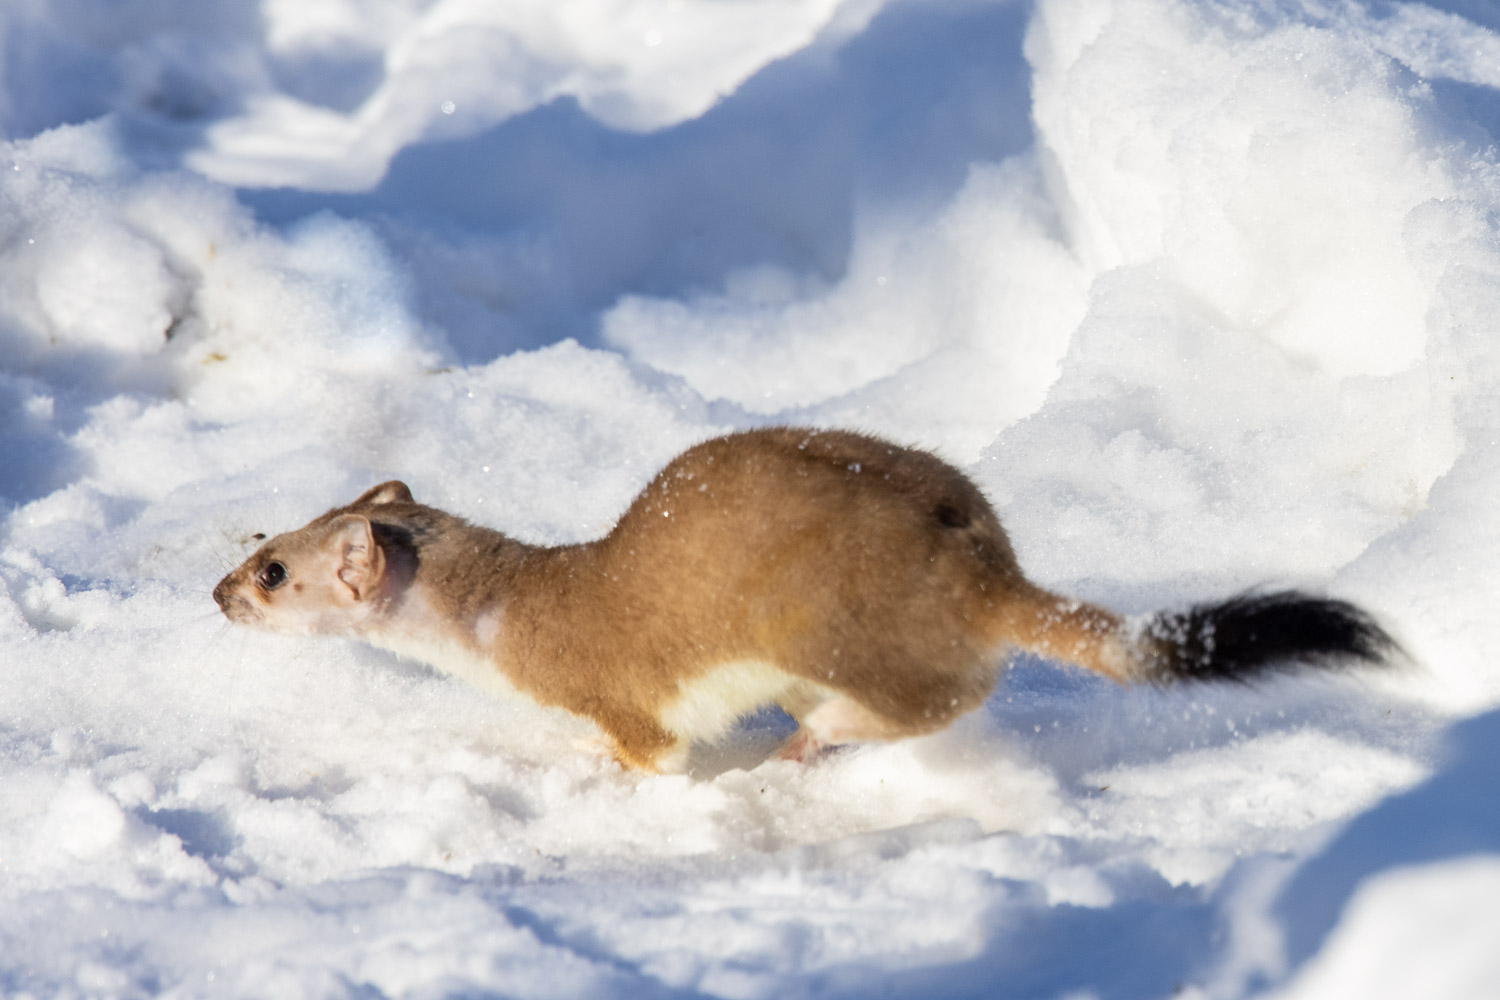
1203,294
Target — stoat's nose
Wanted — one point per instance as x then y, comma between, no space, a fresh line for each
221,595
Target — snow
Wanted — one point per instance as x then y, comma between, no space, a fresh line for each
1201,293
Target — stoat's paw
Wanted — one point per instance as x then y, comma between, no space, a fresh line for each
801,746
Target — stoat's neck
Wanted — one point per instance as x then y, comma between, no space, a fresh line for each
452,595
417,629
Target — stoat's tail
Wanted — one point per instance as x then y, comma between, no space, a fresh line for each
1239,639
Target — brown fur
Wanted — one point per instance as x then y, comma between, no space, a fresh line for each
867,588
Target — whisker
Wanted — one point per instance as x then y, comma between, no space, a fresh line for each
234,666
231,547
199,619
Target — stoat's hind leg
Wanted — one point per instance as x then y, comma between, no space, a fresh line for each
839,719
801,746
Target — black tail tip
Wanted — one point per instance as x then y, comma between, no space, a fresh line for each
1260,633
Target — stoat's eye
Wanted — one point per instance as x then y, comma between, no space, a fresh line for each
273,576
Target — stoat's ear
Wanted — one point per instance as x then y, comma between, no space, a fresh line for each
357,560
394,491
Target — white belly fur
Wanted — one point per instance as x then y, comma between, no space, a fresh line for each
708,705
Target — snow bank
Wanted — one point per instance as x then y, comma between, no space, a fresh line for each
1201,293
1271,220
1395,904
320,96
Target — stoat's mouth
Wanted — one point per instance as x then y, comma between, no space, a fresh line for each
235,607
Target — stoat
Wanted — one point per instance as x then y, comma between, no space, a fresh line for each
865,588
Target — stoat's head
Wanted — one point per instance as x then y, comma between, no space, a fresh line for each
330,577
